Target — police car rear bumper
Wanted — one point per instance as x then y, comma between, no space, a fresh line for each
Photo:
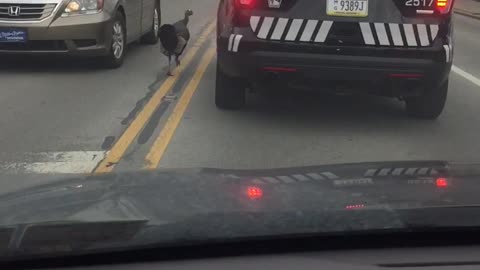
334,69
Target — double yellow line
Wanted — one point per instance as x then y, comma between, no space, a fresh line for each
159,146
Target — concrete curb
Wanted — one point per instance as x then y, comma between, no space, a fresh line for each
467,13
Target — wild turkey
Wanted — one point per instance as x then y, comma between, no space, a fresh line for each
174,39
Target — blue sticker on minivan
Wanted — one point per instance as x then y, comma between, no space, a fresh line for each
13,35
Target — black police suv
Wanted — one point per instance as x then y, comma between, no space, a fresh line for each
396,48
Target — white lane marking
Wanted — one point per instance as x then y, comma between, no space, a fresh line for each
422,32
230,42
433,31
279,29
294,28
323,31
396,35
382,34
266,25
367,33
74,162
410,35
466,75
236,43
308,31
254,22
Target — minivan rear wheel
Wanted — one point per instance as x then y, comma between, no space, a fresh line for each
118,46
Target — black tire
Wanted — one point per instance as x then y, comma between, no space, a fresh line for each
114,60
230,93
430,104
152,36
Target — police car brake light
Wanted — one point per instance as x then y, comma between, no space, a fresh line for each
444,6
246,3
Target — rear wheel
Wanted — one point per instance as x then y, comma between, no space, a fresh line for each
116,54
152,36
230,93
430,104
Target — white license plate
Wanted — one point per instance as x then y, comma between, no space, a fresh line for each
347,8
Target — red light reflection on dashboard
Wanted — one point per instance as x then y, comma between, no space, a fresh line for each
254,193
441,182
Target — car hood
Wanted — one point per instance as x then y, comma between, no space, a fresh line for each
171,206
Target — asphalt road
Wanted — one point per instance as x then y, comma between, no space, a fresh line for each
59,118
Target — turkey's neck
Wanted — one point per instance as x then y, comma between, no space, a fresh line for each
186,19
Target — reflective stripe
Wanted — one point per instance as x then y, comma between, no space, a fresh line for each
230,42
382,34
236,43
447,53
315,176
287,179
434,31
370,172
398,171
279,29
254,22
396,35
329,175
308,31
294,28
421,11
266,25
271,180
384,172
301,177
323,32
367,33
422,33
410,171
423,171
410,35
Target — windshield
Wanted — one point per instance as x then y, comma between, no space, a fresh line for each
200,117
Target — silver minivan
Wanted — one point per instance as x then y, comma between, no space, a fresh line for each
100,28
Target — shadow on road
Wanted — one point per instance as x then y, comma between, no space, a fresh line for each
318,108
324,107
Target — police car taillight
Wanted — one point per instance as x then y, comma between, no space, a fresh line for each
243,10
246,3
444,6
